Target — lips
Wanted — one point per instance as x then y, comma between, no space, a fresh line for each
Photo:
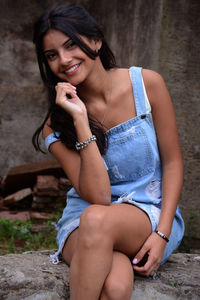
72,69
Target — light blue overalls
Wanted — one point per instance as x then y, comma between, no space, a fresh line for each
133,163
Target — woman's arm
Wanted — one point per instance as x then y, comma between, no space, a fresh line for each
168,143
85,169
172,167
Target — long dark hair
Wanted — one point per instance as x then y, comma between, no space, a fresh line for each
74,21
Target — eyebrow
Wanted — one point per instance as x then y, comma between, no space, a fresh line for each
49,50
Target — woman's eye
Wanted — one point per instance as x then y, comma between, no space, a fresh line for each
51,56
71,45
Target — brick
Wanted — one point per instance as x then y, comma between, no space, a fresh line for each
21,216
17,197
40,215
26,175
47,183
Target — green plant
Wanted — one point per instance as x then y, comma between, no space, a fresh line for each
174,284
17,236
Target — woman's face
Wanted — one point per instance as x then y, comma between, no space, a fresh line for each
66,60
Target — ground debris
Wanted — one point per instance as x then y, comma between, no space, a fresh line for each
36,189
18,196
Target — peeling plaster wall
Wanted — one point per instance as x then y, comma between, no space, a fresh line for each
160,35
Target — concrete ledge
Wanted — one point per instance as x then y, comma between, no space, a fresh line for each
31,276
178,278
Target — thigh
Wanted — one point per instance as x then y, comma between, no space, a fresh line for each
70,246
130,227
124,226
120,279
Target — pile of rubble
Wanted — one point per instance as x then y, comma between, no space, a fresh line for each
33,190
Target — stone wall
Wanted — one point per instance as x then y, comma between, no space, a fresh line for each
160,35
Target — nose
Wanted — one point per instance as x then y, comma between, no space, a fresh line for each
65,58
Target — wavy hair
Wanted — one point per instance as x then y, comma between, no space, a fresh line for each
74,21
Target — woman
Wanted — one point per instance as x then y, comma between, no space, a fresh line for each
111,129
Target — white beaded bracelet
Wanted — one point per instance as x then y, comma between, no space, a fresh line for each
81,145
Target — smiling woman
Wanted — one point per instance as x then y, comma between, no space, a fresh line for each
65,57
113,130
78,36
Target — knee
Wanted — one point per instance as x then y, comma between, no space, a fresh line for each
93,224
93,219
115,290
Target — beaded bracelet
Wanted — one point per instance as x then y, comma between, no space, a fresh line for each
162,235
81,145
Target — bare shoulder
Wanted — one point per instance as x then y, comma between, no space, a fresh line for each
152,79
121,78
155,87
47,129
121,81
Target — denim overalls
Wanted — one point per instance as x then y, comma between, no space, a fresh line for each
133,163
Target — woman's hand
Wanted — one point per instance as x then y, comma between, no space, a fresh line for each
154,247
66,97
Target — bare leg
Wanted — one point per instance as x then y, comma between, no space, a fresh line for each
103,229
119,282
89,260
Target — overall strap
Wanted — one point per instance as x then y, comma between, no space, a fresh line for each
51,138
138,91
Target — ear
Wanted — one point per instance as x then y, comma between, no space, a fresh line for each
98,44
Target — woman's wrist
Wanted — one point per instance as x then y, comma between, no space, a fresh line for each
83,130
82,145
80,120
162,235
165,229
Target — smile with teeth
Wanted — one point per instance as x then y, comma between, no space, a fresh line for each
72,68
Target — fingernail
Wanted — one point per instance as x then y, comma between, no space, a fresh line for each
135,261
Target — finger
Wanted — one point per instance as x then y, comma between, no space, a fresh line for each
62,91
144,271
65,84
141,255
149,267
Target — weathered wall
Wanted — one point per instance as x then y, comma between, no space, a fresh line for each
161,35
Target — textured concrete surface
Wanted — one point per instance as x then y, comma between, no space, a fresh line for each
31,276
160,35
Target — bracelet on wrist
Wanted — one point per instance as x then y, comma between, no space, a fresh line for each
82,145
162,235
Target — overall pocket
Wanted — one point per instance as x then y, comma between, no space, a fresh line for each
129,155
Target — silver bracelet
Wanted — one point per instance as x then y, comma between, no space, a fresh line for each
81,145
162,235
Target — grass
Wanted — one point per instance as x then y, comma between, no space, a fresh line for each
174,284
18,237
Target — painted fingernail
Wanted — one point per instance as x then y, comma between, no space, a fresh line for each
135,261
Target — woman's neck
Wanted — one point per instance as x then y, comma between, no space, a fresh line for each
96,87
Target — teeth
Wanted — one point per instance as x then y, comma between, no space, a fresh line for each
72,69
